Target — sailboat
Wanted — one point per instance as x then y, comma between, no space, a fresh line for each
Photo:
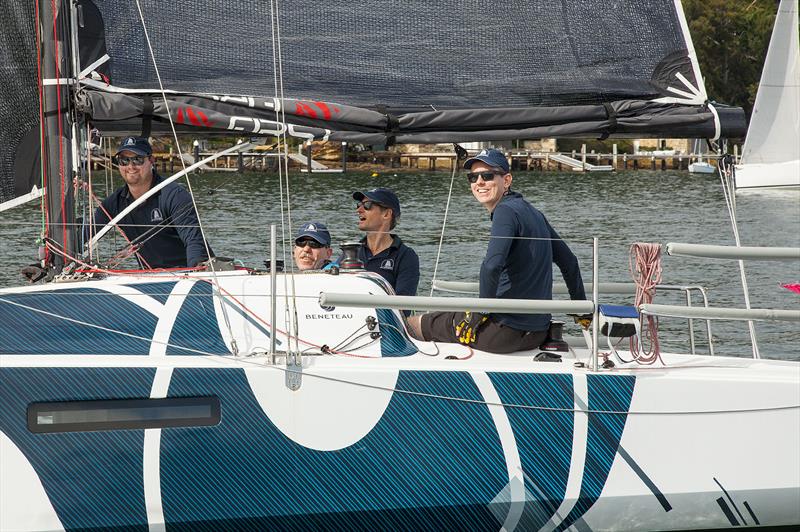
232,398
701,166
771,154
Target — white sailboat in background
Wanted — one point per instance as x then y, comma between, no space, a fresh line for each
771,155
701,165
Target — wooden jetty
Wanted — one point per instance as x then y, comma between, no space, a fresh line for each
523,160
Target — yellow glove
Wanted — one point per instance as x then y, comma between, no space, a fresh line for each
584,320
467,329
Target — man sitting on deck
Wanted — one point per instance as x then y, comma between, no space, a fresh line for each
383,252
518,265
164,229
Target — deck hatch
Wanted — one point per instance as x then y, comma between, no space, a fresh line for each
123,414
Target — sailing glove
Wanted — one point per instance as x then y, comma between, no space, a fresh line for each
584,320
467,329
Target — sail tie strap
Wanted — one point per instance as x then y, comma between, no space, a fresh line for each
147,114
392,124
611,115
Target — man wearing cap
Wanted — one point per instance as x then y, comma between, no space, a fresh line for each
312,246
518,265
381,250
164,228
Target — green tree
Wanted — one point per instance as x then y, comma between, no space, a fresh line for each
731,39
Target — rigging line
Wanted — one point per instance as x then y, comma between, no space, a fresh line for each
106,329
121,232
444,221
726,175
290,309
40,89
89,191
59,120
188,181
155,229
257,363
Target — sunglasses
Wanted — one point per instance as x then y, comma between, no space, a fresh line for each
138,160
368,204
472,177
313,244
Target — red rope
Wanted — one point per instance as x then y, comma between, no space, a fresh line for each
645,268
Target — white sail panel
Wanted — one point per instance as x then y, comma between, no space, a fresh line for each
774,132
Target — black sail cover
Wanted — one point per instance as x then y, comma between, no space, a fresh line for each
384,72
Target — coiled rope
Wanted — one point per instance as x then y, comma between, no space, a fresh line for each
645,268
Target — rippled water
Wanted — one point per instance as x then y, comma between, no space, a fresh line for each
618,208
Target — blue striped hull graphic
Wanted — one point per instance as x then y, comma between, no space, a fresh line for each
93,479
25,331
428,463
196,326
607,393
544,438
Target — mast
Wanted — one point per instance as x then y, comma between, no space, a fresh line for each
56,129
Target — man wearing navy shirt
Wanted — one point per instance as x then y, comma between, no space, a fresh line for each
164,229
518,265
381,250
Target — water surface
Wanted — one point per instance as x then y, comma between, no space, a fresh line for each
618,208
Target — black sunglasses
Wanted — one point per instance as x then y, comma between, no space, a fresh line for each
137,160
472,177
368,204
310,242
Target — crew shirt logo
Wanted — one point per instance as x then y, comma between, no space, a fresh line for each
155,216
387,264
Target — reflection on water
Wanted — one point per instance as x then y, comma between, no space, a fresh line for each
618,208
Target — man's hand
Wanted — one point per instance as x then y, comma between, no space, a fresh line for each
584,320
467,329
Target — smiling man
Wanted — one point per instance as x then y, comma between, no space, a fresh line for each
381,250
164,230
312,246
518,265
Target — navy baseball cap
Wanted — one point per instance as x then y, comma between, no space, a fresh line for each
492,157
137,145
381,195
315,230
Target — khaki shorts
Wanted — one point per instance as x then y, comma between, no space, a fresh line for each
493,337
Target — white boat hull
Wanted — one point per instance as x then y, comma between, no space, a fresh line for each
702,168
381,437
753,175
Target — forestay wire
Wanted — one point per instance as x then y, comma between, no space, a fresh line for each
290,306
727,176
460,152
234,347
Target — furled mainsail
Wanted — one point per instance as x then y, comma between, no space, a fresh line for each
376,72
419,71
